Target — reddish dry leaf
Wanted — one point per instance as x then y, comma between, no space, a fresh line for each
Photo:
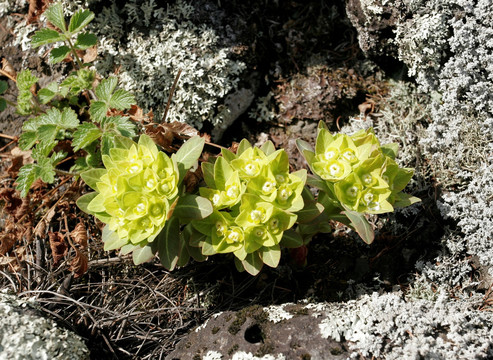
234,147
79,235
58,247
24,209
12,200
8,70
79,264
8,238
36,8
160,136
40,230
137,114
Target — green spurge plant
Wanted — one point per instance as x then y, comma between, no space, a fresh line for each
251,206
138,191
356,175
255,200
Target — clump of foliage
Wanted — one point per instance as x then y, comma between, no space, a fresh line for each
249,203
255,198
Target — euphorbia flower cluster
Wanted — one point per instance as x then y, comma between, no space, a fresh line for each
134,192
254,197
361,174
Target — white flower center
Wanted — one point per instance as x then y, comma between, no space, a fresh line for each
329,155
368,198
215,199
232,191
233,236
280,178
250,169
367,179
349,155
268,187
150,183
140,208
257,215
334,169
374,206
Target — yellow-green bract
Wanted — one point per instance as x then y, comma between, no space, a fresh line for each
254,197
361,174
134,193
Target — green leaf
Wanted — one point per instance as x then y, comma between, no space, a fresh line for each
403,200
44,170
244,144
84,200
253,263
142,254
105,89
123,124
3,86
79,20
47,133
361,225
25,79
208,171
111,240
68,119
268,148
317,182
57,157
59,54
45,95
3,104
228,155
310,211
92,177
45,36
390,150
85,41
98,110
192,207
168,243
271,255
85,134
121,100
291,239
188,154
27,175
54,14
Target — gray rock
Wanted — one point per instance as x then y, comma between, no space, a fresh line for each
383,326
25,334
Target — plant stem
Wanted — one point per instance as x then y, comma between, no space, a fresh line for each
74,53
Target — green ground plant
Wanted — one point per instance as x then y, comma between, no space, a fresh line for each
249,204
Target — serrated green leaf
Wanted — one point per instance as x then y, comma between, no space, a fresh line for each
27,175
84,200
124,125
45,95
361,225
121,100
25,79
271,255
55,15
27,140
85,134
68,119
45,170
188,154
45,36
3,86
105,88
168,243
98,110
107,143
192,207
56,157
47,133
85,41
92,177
79,20
3,104
58,54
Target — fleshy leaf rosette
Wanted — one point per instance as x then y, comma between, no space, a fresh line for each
357,175
133,195
254,197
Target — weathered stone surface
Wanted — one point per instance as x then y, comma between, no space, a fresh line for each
26,334
382,326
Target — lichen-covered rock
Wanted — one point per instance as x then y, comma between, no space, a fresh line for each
25,334
383,326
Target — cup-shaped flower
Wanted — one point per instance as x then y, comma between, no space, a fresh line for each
134,191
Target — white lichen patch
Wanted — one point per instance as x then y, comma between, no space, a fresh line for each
212,355
241,355
26,335
277,313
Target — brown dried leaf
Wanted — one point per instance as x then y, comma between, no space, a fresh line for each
24,208
12,200
58,247
90,55
234,147
79,235
19,158
40,230
79,264
180,130
137,114
8,69
192,179
36,8
7,241
7,260
160,136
